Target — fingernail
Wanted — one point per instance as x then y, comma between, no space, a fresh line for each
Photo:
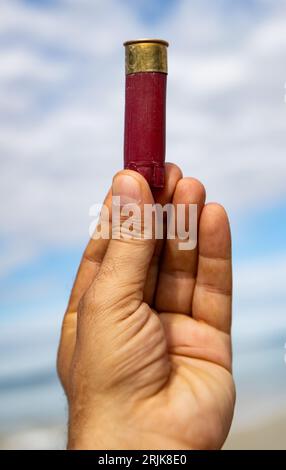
127,188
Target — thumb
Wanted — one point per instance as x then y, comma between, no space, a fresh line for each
122,275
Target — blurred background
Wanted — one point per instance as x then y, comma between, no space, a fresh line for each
61,138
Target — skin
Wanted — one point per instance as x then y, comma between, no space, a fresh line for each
145,350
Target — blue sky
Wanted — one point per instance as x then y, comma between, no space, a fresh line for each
61,115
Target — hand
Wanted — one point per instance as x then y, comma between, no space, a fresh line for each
145,350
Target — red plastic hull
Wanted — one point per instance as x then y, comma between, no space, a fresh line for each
145,125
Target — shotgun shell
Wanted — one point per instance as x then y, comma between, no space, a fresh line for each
145,108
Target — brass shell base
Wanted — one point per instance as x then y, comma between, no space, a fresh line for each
146,55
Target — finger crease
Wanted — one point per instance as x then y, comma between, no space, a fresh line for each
214,289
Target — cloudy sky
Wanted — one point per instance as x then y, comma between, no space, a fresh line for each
61,139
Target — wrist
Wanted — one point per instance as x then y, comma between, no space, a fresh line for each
93,428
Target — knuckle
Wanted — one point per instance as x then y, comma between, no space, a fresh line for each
81,306
86,304
110,268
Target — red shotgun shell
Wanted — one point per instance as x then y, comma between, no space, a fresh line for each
145,109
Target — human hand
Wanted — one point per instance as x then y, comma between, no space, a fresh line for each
145,350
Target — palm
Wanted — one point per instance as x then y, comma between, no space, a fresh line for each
206,392
194,409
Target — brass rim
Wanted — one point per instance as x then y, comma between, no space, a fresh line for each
137,41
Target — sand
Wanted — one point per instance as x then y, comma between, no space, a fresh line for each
269,435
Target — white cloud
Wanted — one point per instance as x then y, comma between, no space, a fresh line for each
21,64
263,275
259,304
62,71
